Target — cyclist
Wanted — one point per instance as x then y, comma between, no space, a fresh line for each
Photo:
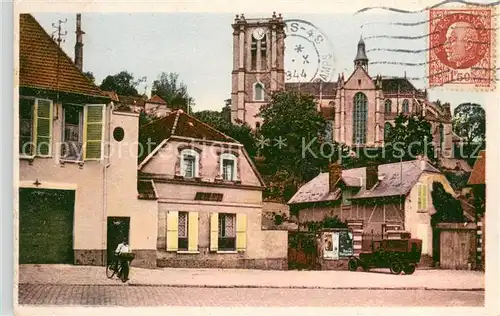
120,252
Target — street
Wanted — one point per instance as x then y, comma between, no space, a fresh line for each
127,295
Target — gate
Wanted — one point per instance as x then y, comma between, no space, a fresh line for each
302,251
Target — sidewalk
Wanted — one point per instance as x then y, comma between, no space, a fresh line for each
377,279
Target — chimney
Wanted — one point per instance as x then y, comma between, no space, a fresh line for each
79,42
334,174
371,175
423,161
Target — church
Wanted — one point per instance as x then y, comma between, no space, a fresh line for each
360,108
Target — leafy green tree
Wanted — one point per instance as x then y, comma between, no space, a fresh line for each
469,122
122,83
173,91
410,137
448,209
90,75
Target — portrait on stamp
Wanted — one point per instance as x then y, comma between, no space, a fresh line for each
460,47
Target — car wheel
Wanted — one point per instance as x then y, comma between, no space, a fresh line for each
352,264
409,268
396,267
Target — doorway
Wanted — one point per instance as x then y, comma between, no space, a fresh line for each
118,229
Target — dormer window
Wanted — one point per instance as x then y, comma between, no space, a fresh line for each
228,167
189,166
258,92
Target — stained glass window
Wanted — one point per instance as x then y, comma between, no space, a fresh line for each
359,118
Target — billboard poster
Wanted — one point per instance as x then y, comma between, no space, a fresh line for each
346,248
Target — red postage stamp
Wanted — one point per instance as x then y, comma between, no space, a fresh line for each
461,48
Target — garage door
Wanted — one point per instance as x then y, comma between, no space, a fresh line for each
46,226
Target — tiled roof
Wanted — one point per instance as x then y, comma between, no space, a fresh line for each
130,100
38,61
179,123
391,183
327,89
390,85
157,100
478,175
112,95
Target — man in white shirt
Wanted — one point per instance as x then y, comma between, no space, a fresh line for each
123,248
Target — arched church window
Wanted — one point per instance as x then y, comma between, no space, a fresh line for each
387,131
258,92
406,107
388,106
263,53
359,118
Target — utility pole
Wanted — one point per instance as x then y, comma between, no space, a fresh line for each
59,36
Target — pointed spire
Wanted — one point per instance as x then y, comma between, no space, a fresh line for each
361,58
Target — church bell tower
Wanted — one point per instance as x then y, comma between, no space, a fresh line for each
258,65
361,59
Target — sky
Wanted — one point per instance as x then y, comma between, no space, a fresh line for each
198,46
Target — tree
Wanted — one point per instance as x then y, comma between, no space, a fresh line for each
292,138
469,122
240,132
411,136
448,209
90,75
173,92
122,83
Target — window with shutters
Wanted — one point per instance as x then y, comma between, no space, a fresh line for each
258,92
26,121
388,106
72,145
422,197
93,131
227,232
360,118
35,127
189,163
228,167
183,241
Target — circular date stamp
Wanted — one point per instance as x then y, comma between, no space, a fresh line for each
308,53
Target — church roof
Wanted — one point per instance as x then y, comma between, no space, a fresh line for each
39,57
391,183
326,89
393,85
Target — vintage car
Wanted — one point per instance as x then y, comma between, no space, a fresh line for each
399,255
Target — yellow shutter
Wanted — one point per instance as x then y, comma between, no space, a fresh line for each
241,232
43,127
93,131
193,231
172,230
424,197
214,231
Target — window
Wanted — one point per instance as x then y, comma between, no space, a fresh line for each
422,196
263,53
360,118
227,232
26,108
228,167
406,107
183,225
35,127
189,168
346,195
71,148
387,131
388,106
258,92
253,56
441,136
118,134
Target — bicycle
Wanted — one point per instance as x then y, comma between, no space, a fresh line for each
115,266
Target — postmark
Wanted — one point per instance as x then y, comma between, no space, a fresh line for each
461,48
308,53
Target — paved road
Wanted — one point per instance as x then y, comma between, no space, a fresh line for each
124,295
